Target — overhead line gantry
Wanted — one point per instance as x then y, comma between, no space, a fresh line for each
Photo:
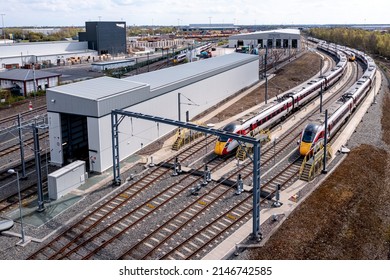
118,115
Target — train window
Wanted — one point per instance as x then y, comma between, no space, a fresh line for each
308,136
223,138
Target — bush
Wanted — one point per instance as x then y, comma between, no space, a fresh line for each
10,99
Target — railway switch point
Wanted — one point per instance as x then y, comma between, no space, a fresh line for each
277,197
151,164
206,176
175,170
195,190
176,167
240,185
179,167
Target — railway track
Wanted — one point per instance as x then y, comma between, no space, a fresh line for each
26,142
105,229
28,187
83,234
13,120
196,232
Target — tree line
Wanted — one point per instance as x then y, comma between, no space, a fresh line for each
373,42
19,34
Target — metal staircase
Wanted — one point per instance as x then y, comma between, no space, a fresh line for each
184,137
244,150
313,163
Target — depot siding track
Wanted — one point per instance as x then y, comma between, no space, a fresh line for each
184,232
76,241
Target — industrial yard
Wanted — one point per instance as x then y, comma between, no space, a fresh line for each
351,201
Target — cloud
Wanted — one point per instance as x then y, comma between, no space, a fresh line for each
167,12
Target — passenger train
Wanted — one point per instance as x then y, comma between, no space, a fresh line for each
180,58
312,136
283,106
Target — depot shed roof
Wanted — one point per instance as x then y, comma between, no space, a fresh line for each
286,33
95,97
170,79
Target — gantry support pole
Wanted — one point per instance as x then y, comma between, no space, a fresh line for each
207,130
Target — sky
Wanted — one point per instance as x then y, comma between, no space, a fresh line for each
179,12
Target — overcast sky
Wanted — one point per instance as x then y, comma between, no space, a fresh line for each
174,12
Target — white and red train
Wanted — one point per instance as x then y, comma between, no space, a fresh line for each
283,106
313,134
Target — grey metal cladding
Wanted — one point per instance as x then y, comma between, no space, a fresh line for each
170,79
95,97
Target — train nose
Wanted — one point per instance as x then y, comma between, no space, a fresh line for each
304,148
219,147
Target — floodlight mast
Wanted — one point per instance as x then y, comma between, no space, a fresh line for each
115,122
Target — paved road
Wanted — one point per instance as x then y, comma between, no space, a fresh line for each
75,72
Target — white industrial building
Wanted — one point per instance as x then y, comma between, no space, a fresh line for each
57,53
26,81
282,38
79,114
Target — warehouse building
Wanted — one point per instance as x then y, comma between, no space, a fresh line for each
43,53
282,38
106,37
79,114
21,81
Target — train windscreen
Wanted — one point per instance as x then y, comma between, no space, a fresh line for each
229,128
309,133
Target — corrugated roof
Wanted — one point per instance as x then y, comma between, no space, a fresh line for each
26,74
190,71
99,88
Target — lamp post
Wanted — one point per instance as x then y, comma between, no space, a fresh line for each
12,171
2,21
